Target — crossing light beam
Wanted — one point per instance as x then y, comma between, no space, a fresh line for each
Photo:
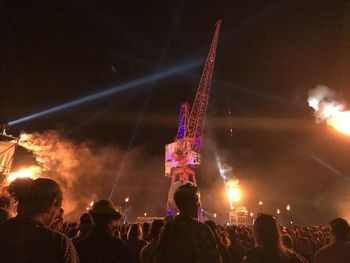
171,71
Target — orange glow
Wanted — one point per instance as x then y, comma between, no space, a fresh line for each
340,121
28,172
233,192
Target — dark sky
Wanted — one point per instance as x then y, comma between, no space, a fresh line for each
270,54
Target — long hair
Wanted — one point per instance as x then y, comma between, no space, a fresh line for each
267,234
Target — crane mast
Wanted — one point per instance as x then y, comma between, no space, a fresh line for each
199,108
183,154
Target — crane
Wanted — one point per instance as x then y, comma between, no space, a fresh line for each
182,155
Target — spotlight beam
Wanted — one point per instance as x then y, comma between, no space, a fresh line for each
177,69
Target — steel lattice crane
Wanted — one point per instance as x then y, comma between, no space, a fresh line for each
183,154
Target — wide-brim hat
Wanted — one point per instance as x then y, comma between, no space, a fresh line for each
105,207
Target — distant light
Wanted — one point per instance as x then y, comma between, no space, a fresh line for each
288,207
261,203
214,214
291,222
145,214
251,214
126,199
278,211
91,203
177,213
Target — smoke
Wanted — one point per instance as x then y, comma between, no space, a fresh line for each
325,102
86,171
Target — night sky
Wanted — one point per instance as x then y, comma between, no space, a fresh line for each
270,54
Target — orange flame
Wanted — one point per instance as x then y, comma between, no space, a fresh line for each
233,192
340,121
28,172
328,107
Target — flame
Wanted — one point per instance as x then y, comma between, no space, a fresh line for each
28,172
233,192
330,109
340,121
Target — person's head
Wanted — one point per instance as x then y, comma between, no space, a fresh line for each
105,214
156,226
187,199
135,232
85,223
40,198
266,233
340,228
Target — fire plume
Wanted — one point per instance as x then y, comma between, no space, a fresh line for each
329,108
28,172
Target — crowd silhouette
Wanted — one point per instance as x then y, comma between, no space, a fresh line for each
37,233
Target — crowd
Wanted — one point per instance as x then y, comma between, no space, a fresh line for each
38,234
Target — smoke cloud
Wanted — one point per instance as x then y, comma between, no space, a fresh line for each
325,102
86,172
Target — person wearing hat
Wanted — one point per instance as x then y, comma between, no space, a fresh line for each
100,245
338,251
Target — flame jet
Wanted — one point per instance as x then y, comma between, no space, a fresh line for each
329,108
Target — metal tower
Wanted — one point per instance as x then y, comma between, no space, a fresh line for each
183,154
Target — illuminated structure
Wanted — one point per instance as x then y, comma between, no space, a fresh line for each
183,154
8,146
238,216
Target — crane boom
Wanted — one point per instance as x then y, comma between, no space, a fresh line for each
199,108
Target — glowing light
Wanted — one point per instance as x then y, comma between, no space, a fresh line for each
261,203
126,199
145,214
278,211
215,215
340,121
251,214
233,192
29,172
330,109
116,89
91,203
288,207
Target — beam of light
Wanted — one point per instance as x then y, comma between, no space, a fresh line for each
177,69
99,114
143,109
